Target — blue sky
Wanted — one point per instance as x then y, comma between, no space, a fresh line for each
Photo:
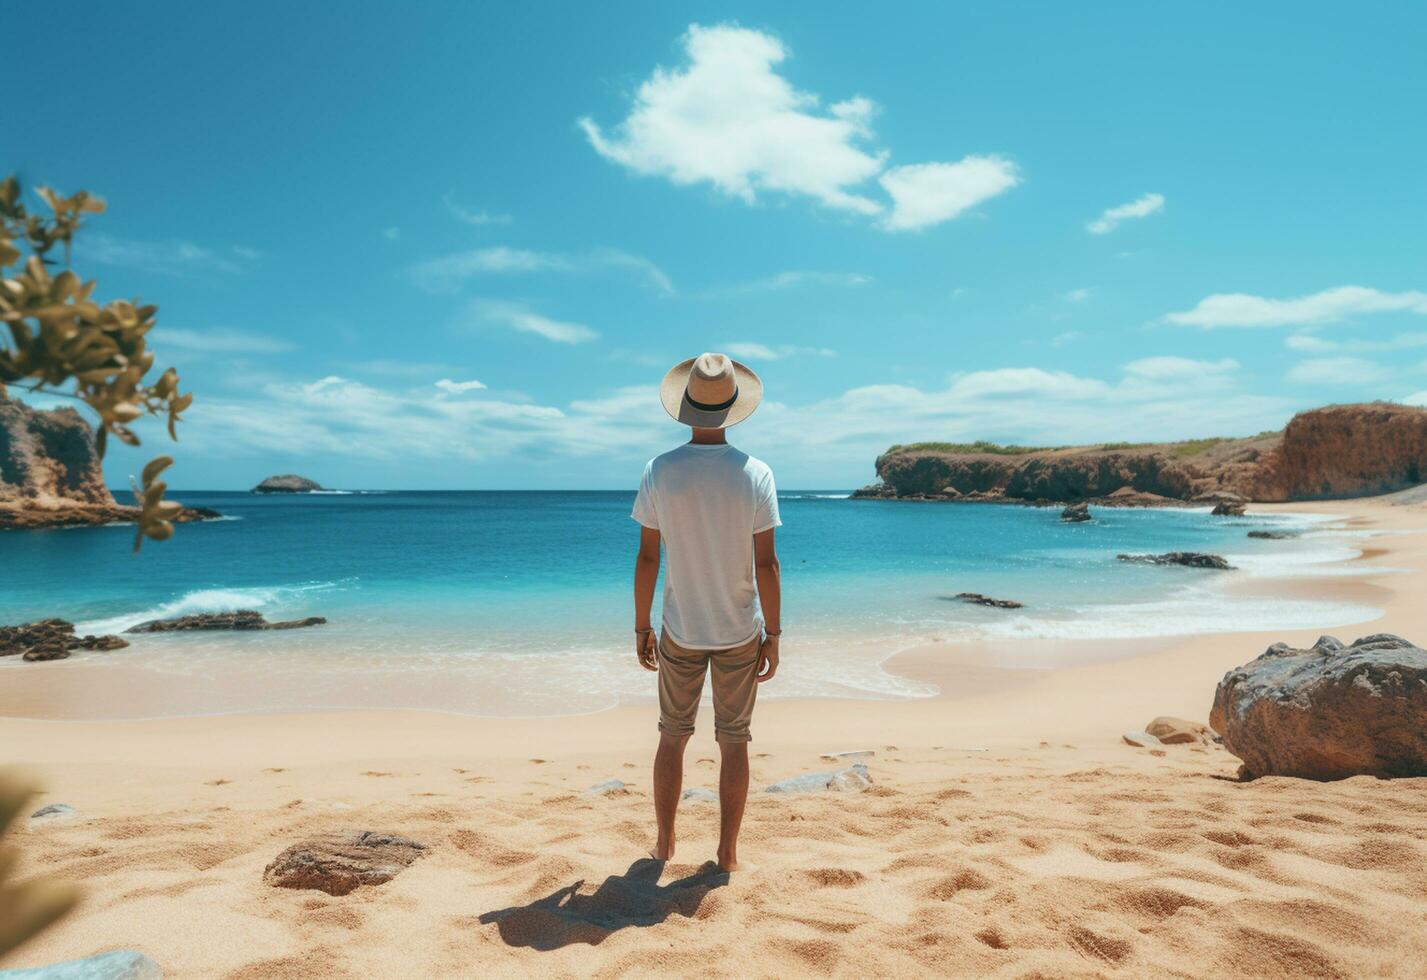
428,245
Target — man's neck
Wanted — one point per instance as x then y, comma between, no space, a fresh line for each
709,437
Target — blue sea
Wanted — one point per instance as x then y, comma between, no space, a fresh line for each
518,603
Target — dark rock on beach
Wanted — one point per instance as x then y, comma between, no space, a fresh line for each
1189,559
1274,535
51,639
1076,513
340,863
985,600
287,483
243,619
1328,712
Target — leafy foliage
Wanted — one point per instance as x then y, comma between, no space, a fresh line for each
59,335
30,906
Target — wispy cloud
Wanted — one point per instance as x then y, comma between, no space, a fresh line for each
1308,343
727,118
1110,218
788,280
392,233
472,217
175,258
446,273
219,340
750,351
458,387
1328,306
1078,295
1340,371
525,321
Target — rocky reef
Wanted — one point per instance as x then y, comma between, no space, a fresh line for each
287,483
51,474
241,620
51,639
1333,452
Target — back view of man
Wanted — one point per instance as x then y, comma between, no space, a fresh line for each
714,508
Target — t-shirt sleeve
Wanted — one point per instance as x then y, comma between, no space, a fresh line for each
767,511
644,510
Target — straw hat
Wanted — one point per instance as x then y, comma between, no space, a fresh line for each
710,391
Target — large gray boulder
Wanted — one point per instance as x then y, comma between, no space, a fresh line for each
119,964
1328,712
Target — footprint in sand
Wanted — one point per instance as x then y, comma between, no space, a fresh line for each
275,769
218,782
373,772
539,762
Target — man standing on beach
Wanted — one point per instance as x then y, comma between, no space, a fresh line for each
714,508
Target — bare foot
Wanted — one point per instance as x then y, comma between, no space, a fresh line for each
663,851
729,863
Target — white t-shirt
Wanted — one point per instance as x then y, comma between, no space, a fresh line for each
707,502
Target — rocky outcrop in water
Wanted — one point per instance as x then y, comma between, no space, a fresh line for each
340,863
51,639
287,483
243,619
1226,508
1338,451
1328,712
1189,559
1076,513
51,474
977,599
1273,535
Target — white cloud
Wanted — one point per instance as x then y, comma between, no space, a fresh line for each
1178,368
1418,398
925,194
727,118
445,273
470,217
1110,218
750,351
1328,306
224,340
170,258
523,320
787,280
1337,371
458,387
1078,295
1308,343
1069,336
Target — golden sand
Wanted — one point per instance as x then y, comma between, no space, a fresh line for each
1008,832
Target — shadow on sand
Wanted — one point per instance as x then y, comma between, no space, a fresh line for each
634,898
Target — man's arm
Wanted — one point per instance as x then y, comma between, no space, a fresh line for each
770,597
646,573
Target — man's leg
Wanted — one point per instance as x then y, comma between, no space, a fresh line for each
681,681
732,795
735,688
668,784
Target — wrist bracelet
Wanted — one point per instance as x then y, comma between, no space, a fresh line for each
640,632
767,632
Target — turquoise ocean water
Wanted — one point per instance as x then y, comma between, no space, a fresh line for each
518,602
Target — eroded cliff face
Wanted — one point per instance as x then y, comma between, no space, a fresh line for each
51,474
1353,451
48,460
1338,451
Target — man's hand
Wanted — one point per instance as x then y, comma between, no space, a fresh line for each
646,648
767,659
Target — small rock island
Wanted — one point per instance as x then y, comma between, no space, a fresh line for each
287,483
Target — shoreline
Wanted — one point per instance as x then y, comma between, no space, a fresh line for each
1008,830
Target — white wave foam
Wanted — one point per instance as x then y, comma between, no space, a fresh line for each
206,601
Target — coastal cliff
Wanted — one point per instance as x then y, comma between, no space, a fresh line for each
51,474
1338,451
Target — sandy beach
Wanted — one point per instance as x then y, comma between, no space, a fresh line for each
1009,831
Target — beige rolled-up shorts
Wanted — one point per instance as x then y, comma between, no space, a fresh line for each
681,682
